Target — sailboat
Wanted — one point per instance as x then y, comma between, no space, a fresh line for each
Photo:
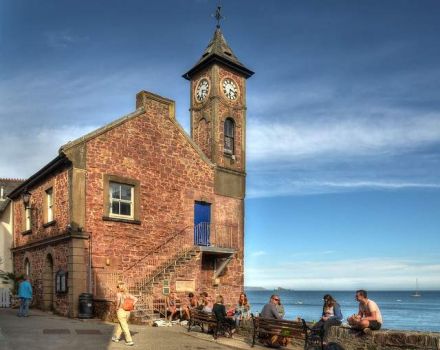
417,294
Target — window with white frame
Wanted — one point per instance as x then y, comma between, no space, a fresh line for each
121,200
27,267
27,219
49,202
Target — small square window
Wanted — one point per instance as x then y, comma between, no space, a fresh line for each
121,200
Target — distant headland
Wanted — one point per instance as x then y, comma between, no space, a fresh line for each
255,289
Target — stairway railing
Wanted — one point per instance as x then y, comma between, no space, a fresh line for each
145,267
158,259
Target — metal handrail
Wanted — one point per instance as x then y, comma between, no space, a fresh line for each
168,240
159,259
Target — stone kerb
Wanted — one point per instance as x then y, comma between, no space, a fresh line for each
384,339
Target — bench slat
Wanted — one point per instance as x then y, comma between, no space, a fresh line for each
285,328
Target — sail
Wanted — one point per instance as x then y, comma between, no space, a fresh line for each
417,294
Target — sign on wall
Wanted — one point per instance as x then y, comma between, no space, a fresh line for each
185,286
61,282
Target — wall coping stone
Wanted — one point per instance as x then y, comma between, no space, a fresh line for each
388,339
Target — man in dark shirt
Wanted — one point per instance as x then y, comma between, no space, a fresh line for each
270,309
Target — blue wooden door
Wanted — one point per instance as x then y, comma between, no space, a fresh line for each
202,221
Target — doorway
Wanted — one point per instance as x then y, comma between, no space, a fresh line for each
48,283
202,222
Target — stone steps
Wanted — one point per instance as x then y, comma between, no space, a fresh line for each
143,312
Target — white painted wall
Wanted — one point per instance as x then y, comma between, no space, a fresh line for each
6,238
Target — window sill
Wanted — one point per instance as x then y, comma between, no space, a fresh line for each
50,223
127,221
25,233
231,156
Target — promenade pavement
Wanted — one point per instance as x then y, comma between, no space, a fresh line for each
43,330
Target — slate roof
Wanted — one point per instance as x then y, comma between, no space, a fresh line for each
218,50
8,186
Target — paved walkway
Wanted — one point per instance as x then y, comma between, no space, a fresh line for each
42,330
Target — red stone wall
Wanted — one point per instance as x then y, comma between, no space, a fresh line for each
234,110
152,150
230,216
59,183
38,262
223,108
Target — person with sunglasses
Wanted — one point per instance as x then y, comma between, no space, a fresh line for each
270,309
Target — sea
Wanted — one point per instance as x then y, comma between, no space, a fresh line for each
400,310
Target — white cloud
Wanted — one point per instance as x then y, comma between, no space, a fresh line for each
300,157
269,187
27,153
258,253
302,139
378,273
63,39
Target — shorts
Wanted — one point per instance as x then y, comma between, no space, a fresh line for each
374,325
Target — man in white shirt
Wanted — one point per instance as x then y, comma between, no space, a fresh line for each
369,315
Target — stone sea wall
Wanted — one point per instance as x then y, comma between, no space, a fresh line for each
384,339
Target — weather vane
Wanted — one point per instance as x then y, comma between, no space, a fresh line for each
218,16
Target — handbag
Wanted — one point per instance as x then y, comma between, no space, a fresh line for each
128,304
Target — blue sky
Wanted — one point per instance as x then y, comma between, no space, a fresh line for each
343,185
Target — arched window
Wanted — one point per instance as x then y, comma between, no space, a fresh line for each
229,135
27,267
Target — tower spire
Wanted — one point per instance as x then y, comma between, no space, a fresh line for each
218,16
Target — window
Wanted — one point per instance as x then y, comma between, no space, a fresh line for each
49,203
27,267
229,136
61,282
121,200
27,219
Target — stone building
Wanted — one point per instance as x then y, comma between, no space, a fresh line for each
6,186
139,200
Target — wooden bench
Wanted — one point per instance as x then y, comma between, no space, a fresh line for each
201,318
280,332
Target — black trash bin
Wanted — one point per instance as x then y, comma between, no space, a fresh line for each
85,305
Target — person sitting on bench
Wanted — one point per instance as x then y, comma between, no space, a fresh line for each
270,309
219,311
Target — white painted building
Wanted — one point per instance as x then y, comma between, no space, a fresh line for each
6,186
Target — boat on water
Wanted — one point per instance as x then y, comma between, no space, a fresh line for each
416,293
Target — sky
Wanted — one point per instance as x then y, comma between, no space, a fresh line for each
343,115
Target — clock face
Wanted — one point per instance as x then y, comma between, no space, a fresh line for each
202,90
230,89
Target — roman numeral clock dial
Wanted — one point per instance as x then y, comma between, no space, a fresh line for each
202,90
230,89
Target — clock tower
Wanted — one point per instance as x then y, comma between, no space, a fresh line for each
218,113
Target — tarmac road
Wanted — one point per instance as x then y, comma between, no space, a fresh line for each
42,330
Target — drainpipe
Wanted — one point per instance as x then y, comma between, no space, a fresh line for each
90,263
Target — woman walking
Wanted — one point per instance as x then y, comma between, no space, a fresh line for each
124,304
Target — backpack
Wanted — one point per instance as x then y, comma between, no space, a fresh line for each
128,304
